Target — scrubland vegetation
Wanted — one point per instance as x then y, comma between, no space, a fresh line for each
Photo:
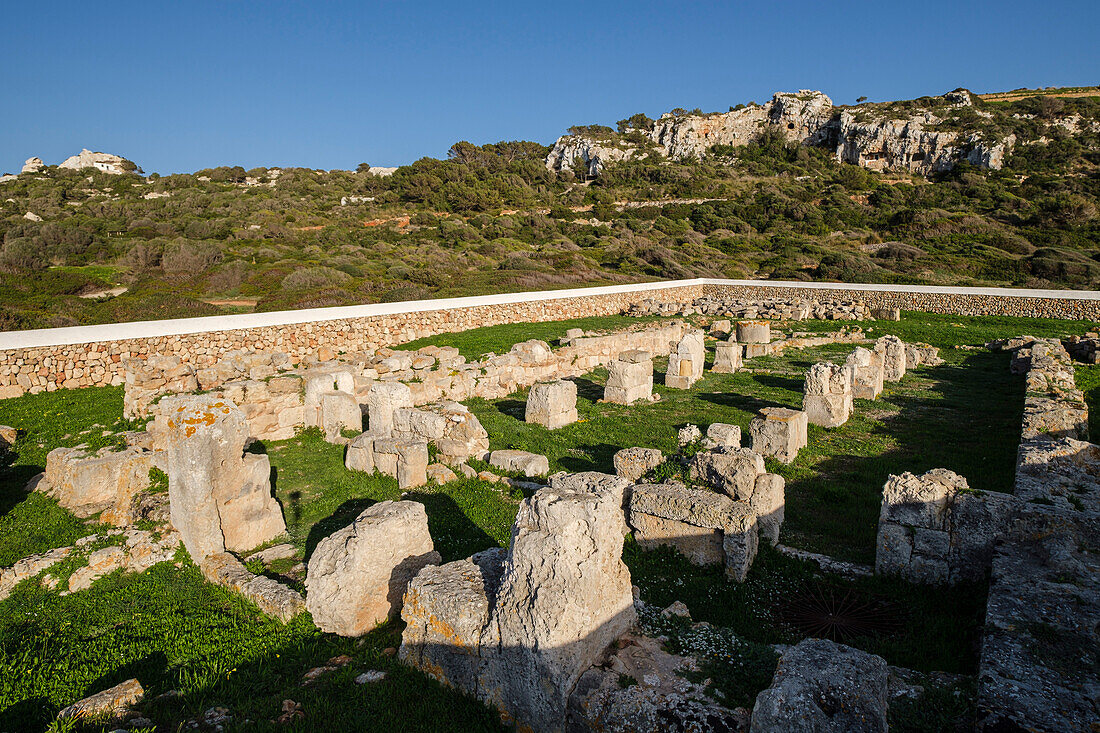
492,218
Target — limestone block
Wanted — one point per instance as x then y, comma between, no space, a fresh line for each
249,514
552,404
115,701
565,595
339,411
828,394
824,687
732,471
406,460
727,357
892,350
440,473
360,453
633,463
382,400
358,575
925,355
529,464
867,373
768,503
685,364
688,434
724,435
721,328
630,378
691,521
754,332
779,432
271,596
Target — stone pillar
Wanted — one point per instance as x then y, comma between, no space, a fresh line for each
828,394
630,378
552,404
727,357
685,364
382,399
892,350
755,335
866,366
779,432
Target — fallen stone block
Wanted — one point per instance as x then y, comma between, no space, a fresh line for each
339,411
360,453
732,471
529,464
357,575
270,596
754,332
111,703
405,460
633,463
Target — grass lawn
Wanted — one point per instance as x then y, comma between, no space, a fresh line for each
175,632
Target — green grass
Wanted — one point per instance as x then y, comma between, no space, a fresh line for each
1087,377
31,522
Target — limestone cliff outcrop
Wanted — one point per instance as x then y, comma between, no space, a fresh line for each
105,162
876,137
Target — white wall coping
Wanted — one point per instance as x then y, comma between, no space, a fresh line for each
46,337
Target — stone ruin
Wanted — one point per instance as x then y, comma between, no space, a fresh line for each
110,482
220,496
867,373
934,529
685,362
779,432
755,336
518,628
634,463
357,576
828,395
740,473
770,309
630,378
892,351
727,357
552,404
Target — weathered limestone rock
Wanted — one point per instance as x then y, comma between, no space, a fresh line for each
339,411
552,404
705,526
633,463
360,453
382,400
317,384
109,703
779,432
663,700
451,427
754,332
106,162
934,529
727,357
921,355
357,575
685,364
101,562
33,165
440,473
688,434
732,471
824,687
105,481
827,400
867,373
768,503
219,498
892,350
271,596
630,378
405,460
721,329
723,434
563,596
529,464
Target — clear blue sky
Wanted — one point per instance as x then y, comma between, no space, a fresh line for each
179,86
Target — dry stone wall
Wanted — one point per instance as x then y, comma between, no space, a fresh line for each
95,356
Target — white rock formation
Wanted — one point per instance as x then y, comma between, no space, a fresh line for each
33,165
105,162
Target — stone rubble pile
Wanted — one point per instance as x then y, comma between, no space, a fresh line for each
775,309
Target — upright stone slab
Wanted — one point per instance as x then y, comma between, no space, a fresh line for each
824,687
206,468
892,350
357,575
827,400
779,432
685,364
552,404
727,357
565,595
867,373
382,400
630,378
339,411
404,459
934,529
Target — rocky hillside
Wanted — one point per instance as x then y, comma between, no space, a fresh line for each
926,136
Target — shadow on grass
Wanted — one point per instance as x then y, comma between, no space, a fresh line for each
599,458
455,536
13,485
344,515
